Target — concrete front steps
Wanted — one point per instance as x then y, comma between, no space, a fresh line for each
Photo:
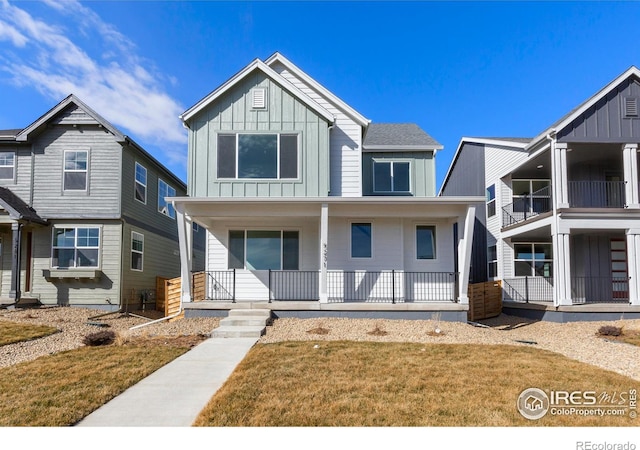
243,323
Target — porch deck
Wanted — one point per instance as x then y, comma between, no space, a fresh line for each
593,312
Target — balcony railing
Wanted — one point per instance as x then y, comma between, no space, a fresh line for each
526,206
528,289
600,290
596,194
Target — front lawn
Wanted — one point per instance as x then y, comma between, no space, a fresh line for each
12,332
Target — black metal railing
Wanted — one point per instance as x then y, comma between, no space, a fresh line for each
596,194
219,285
528,289
526,206
600,290
294,285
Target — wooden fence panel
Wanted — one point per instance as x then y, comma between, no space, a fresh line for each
198,282
161,293
173,289
485,300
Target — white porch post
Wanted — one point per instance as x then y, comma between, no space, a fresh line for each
185,237
562,270
630,163
559,175
464,255
324,237
633,265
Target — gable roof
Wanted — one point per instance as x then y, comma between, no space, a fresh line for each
398,136
17,208
580,109
269,72
348,110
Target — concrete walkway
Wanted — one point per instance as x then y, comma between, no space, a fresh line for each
175,394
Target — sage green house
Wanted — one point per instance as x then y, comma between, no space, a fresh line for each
83,215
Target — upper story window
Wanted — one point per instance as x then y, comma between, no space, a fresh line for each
491,200
137,251
141,184
391,176
164,190
7,165
492,258
531,196
265,156
75,247
75,170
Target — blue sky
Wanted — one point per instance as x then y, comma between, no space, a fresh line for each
455,68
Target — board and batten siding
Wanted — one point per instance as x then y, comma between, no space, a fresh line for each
422,171
345,141
232,113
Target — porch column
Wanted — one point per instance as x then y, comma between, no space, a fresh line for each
464,255
630,163
562,270
633,265
559,175
16,251
184,240
324,237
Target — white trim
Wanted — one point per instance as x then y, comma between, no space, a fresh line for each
140,252
372,241
281,230
135,183
435,241
392,162
65,170
75,245
167,203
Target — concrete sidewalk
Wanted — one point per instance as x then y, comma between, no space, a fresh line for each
175,394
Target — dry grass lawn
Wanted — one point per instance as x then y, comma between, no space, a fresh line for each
12,332
395,384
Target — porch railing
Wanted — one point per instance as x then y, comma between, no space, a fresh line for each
294,285
527,206
600,290
219,285
528,289
596,194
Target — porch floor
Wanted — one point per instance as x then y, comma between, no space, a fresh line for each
572,313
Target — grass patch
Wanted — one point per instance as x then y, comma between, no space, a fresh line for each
619,334
61,389
396,384
12,332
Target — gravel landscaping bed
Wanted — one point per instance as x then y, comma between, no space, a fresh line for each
577,340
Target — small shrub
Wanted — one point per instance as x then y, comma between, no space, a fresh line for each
377,331
610,330
318,330
100,338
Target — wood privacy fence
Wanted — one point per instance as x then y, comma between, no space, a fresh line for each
168,299
485,300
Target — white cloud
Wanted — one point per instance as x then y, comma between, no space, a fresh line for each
108,74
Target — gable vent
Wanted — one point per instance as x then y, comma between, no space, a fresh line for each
259,98
631,107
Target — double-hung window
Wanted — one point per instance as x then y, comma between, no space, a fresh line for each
535,259
492,258
7,165
425,242
141,183
264,249
165,207
137,251
391,176
262,156
75,170
75,247
491,200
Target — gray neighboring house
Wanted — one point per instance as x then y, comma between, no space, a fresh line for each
83,215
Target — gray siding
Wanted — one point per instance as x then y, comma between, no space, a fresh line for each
233,113
21,183
605,121
422,171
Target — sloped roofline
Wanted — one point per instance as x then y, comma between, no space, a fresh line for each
268,71
575,113
121,138
355,115
471,140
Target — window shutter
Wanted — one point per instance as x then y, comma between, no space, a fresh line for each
631,107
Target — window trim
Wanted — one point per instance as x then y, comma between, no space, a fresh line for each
65,170
371,246
75,246
493,261
13,166
136,182
435,241
244,243
279,134
140,252
168,204
491,200
533,260
392,163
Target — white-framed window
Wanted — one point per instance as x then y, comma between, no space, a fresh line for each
491,200
361,240
75,247
137,251
531,196
425,242
7,165
165,207
533,259
264,249
259,98
76,170
391,176
492,261
141,184
195,227
258,156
